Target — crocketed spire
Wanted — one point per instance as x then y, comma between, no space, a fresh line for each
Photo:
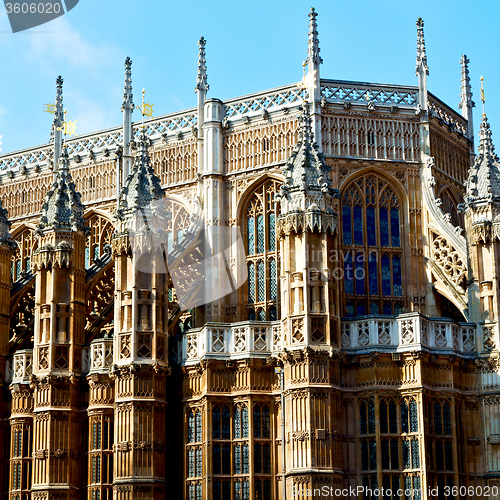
62,208
127,103
484,177
306,169
142,186
201,82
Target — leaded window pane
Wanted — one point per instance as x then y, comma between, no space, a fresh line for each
373,275
251,314
273,288
385,454
266,422
395,228
237,459
199,462
358,225
216,434
361,308
260,233
393,417
226,459
266,458
387,308
396,276
87,257
364,455
216,464
371,230
257,424
371,417
191,492
198,428
359,274
261,282
415,454
246,490
191,460
439,455
226,423
362,418
245,460
237,423
199,491
394,454
373,454
348,274
404,416
251,283
346,225
261,316
413,416
384,227
448,453
273,313
438,423
386,275
244,423
251,235
191,427
446,420
383,417
406,455
257,458
272,232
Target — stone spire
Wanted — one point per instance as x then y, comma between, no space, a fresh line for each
142,185
201,83
466,102
62,208
306,170
58,123
421,70
313,57
483,183
127,109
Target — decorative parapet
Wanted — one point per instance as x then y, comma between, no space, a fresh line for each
409,332
101,355
369,94
22,366
446,115
231,341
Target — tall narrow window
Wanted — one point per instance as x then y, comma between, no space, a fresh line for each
101,456
372,253
260,226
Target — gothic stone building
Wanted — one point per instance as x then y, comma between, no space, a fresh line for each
362,350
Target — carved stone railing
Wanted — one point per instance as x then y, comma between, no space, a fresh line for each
441,111
365,93
262,102
101,143
411,331
234,340
101,355
22,366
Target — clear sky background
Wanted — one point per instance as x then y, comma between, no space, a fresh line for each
251,46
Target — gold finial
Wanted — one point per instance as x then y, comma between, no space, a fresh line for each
69,128
49,108
482,93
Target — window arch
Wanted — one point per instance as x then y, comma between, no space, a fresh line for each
372,247
101,233
262,256
21,260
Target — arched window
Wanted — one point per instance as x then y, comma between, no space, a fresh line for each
372,248
260,229
21,260
101,233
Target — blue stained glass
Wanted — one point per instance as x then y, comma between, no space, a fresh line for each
191,492
273,289
244,423
96,252
387,308
12,271
386,275
361,308
273,313
237,491
216,465
372,275
396,276
415,454
261,282
358,225
87,257
199,491
384,227
198,427
246,490
374,308
395,228
272,231
349,309
260,233
216,423
251,283
28,265
261,315
398,308
348,274
371,232
413,416
237,423
251,235
346,225
18,269
226,459
251,314
359,274
226,424
406,455
404,416
191,463
245,460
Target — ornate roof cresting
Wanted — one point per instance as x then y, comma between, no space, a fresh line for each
483,183
313,44
142,185
421,53
62,208
127,87
202,79
306,169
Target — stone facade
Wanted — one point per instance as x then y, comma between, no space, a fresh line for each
360,349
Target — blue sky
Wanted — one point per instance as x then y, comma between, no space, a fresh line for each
251,46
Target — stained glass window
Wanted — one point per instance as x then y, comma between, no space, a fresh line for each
413,416
383,417
373,274
191,427
371,417
438,422
191,461
261,241
404,416
446,420
260,233
198,433
415,454
393,417
406,454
